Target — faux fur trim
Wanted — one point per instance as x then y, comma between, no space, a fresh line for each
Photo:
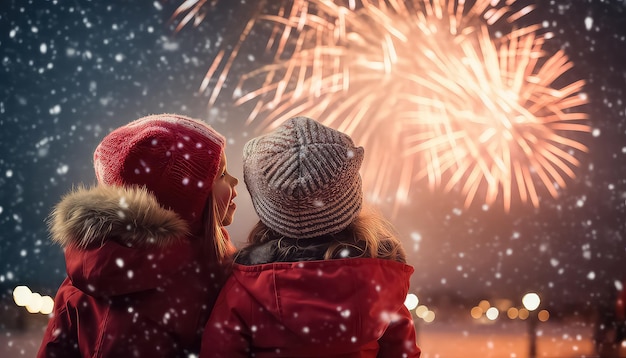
129,215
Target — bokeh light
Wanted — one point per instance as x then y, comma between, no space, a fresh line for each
411,301
21,295
33,302
531,301
492,313
523,314
512,313
543,315
476,312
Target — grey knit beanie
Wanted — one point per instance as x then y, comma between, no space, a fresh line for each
304,178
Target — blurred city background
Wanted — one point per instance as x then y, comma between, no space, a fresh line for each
73,71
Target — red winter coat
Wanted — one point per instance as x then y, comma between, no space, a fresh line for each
137,285
336,308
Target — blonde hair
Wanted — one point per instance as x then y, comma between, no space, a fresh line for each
213,229
370,234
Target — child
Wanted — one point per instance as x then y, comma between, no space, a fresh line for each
144,248
319,277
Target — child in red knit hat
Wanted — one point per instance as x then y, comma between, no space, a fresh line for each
145,247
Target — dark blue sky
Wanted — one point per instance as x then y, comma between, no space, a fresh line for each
73,71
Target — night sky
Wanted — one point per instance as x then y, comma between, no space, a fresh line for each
73,71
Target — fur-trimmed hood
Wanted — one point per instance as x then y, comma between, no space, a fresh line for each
136,280
130,215
119,240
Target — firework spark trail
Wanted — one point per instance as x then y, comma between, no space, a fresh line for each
427,89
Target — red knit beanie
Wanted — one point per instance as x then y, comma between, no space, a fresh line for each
175,157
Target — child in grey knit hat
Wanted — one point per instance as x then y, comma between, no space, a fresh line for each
320,277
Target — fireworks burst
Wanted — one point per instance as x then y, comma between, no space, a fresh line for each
425,86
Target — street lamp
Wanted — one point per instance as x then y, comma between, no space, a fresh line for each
531,302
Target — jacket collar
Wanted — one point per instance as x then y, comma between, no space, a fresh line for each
292,250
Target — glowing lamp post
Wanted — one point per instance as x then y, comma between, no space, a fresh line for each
531,302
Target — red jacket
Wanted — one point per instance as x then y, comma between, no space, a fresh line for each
336,308
137,285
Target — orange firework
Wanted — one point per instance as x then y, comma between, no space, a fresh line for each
428,90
